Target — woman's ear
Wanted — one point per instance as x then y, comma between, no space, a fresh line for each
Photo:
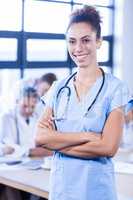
99,43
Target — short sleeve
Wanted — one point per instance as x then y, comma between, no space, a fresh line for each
119,98
129,106
49,98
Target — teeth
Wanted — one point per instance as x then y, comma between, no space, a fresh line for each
81,55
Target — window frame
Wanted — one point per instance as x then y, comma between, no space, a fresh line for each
22,37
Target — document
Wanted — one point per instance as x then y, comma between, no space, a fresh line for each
10,159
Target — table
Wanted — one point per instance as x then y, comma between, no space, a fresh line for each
37,181
33,181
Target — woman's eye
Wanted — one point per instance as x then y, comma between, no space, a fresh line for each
71,42
86,41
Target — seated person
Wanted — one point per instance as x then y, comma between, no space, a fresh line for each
18,125
44,83
17,128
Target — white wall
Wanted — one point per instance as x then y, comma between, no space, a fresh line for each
123,51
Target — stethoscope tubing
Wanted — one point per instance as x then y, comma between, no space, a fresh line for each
69,92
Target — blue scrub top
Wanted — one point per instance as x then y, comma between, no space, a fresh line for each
76,178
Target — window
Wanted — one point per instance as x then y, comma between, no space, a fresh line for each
103,52
106,17
95,2
8,49
10,15
32,33
36,73
107,23
8,87
50,17
46,50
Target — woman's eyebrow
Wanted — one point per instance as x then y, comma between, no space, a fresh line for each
86,36
73,38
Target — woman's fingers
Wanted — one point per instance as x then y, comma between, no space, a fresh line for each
47,123
51,122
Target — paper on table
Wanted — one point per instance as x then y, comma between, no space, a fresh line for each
10,159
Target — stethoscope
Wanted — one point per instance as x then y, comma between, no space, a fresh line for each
67,88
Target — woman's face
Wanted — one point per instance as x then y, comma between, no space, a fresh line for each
82,44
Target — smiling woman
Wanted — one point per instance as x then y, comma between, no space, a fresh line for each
80,113
84,37
83,44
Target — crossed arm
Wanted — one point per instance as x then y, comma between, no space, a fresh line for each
82,144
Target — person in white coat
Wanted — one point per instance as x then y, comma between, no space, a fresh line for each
18,125
43,85
17,132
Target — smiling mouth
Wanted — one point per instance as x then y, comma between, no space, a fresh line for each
81,56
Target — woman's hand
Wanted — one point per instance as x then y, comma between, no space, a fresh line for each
47,123
46,129
50,138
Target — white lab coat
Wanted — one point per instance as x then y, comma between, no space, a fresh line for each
40,107
14,131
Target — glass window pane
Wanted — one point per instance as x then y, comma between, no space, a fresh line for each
47,17
8,80
36,73
46,50
106,16
8,49
95,2
103,52
10,15
107,21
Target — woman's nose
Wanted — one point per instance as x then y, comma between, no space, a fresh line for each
79,47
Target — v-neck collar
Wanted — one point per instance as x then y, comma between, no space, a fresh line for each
95,87
88,98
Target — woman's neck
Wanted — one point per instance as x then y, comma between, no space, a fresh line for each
88,75
84,80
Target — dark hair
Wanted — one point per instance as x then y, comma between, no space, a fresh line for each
49,78
29,92
87,14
